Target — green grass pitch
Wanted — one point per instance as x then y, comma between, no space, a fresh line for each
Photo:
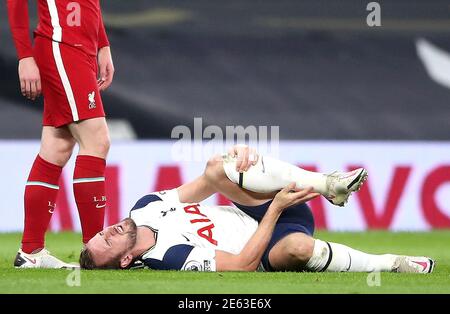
67,245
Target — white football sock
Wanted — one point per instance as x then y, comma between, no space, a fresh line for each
269,175
335,257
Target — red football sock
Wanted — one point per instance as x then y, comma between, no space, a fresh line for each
89,192
41,191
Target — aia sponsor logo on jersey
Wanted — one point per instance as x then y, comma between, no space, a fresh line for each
205,232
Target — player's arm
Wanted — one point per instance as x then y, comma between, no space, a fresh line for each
250,256
20,27
195,191
29,76
105,63
201,188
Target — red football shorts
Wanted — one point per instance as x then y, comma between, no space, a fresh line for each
69,83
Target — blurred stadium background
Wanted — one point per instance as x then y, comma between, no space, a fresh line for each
342,93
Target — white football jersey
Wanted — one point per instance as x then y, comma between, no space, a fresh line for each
187,235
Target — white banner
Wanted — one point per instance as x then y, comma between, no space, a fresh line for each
408,186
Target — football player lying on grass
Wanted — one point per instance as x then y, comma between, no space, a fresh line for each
270,228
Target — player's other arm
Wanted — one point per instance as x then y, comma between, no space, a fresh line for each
29,76
250,256
197,190
20,27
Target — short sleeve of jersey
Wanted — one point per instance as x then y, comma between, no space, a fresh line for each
169,197
184,257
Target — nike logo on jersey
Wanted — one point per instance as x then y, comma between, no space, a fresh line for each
186,238
100,206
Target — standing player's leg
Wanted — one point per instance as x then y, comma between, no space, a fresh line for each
41,191
298,251
92,136
270,174
76,102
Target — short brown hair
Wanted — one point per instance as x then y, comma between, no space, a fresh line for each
87,261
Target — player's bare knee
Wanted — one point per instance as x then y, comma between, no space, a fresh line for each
300,248
57,152
93,137
99,147
103,145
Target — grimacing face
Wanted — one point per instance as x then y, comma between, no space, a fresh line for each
113,241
